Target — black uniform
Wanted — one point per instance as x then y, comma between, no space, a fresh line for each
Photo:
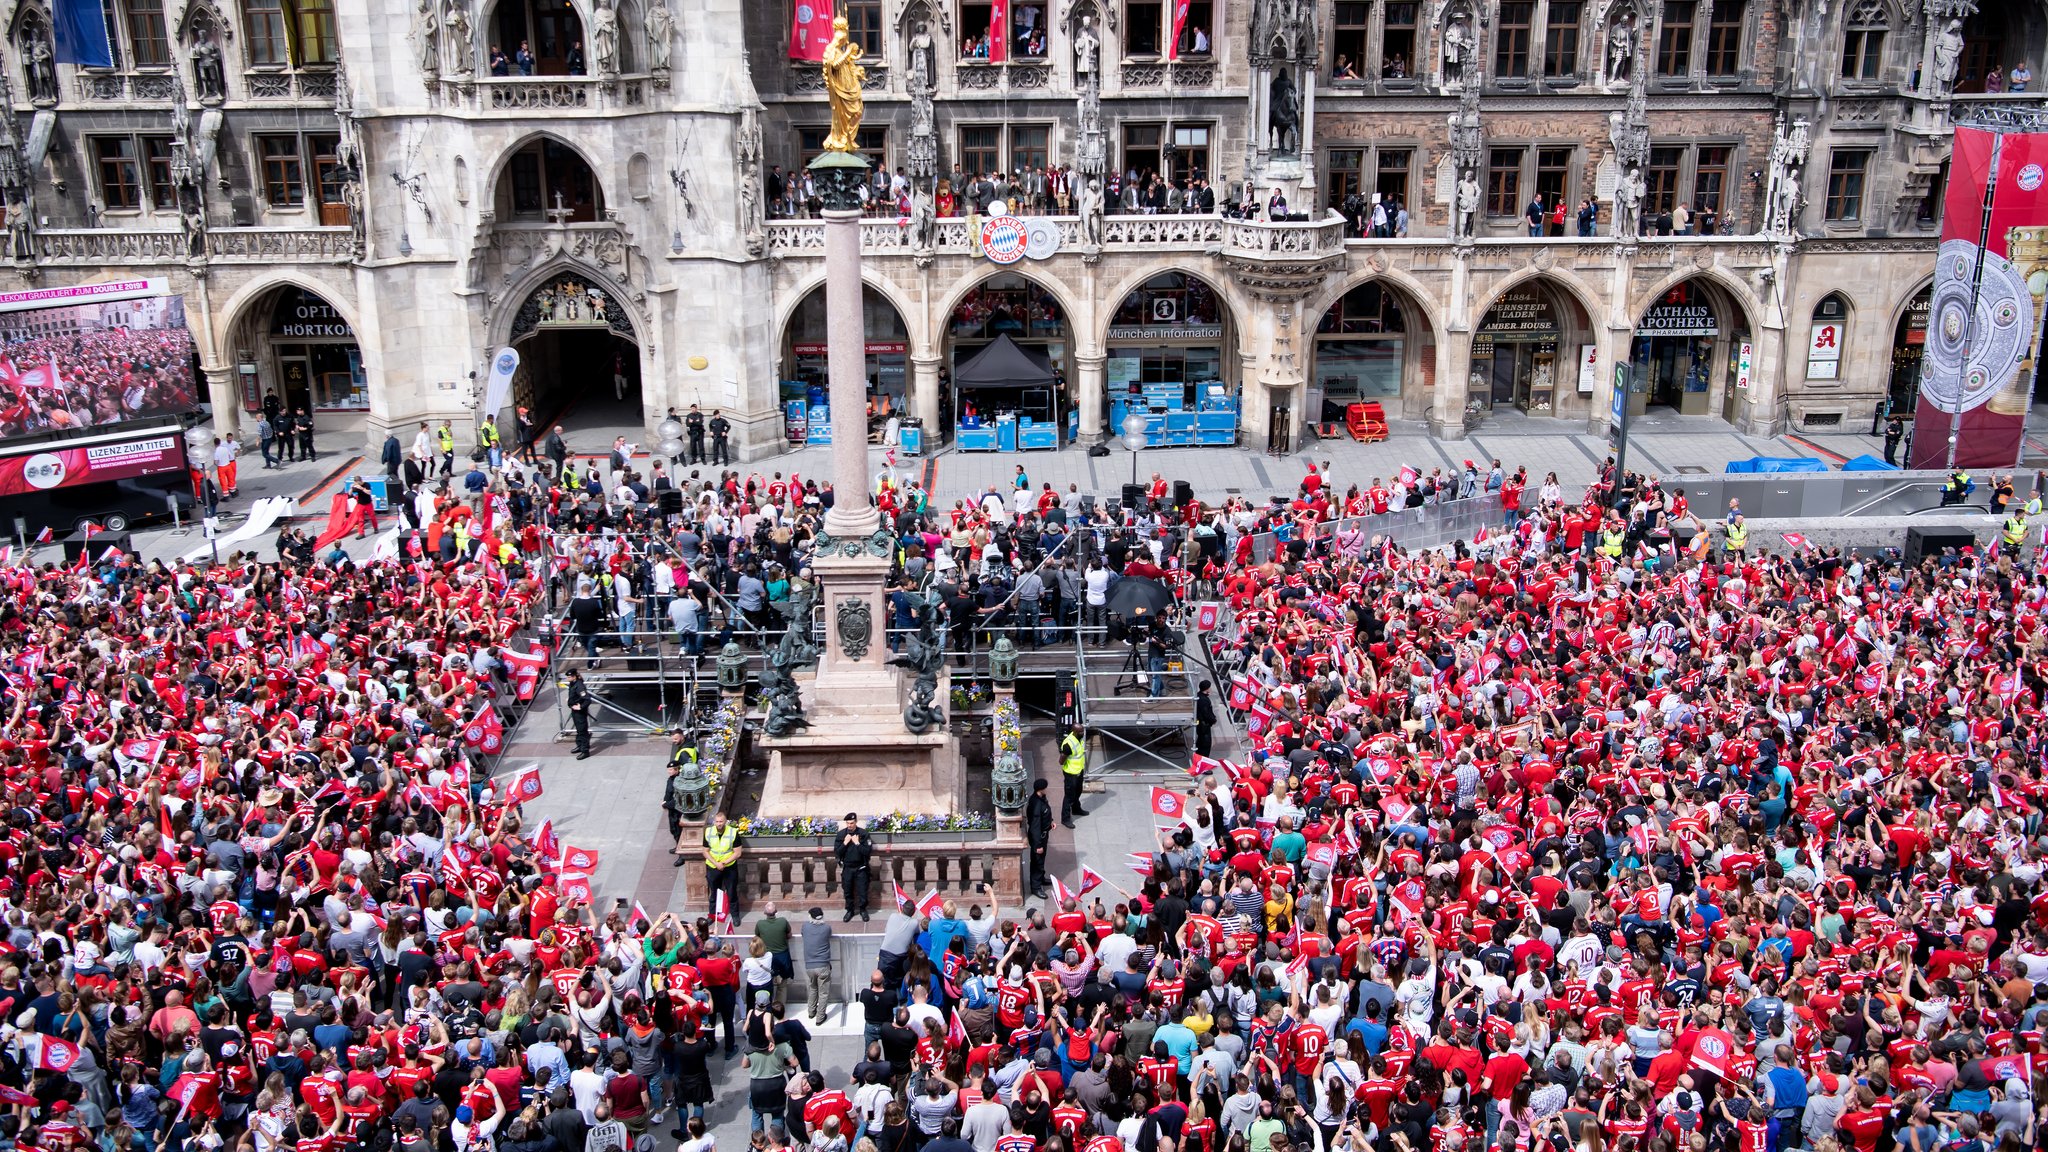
855,851
694,425
303,424
671,799
720,428
579,713
1038,833
1205,722
1894,431
526,433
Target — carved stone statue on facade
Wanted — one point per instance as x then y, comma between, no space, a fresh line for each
661,31
1458,44
924,217
1781,195
604,37
1283,113
20,228
359,225
455,29
1628,205
192,220
1087,50
207,72
1948,56
747,147
426,28
1467,204
1091,212
41,67
923,59
1621,49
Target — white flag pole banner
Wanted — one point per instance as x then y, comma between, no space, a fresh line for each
386,546
498,389
262,515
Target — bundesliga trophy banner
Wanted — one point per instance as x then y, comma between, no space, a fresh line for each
1980,361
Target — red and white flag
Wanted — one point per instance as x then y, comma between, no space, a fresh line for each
956,1032
525,788
1180,26
545,845
55,1055
903,901
998,32
526,672
47,536
1141,862
721,913
113,552
582,860
1202,765
148,749
91,529
1794,540
1167,804
1090,880
641,921
1060,892
810,29
485,732
932,906
1208,614
578,890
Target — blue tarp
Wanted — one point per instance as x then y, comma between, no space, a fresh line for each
1868,463
1777,464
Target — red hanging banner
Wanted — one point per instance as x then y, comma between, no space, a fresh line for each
810,29
1983,318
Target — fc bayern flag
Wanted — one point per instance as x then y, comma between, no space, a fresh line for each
810,29
579,859
902,898
56,1055
526,670
1180,27
1794,540
525,787
1167,804
998,31
46,536
1208,614
1060,892
1241,694
932,905
577,890
1090,880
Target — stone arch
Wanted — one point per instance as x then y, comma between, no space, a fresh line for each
515,297
502,164
201,15
1223,288
1341,358
1413,296
922,342
236,308
1050,285
1729,284
1580,294
1897,311
31,25
493,26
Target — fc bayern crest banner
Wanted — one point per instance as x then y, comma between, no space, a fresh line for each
810,29
1994,239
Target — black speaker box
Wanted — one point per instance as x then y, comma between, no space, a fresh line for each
1183,493
97,546
1924,542
1134,495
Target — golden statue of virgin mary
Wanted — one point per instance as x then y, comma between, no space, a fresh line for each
843,76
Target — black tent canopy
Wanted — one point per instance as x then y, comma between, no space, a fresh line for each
1006,376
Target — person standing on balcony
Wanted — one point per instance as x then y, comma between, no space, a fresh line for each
524,58
1534,214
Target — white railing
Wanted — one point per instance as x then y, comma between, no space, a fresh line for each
558,93
884,236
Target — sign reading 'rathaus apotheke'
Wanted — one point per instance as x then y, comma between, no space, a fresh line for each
1679,320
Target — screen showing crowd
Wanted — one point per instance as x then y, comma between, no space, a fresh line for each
93,365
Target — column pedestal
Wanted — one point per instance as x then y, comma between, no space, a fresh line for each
1091,379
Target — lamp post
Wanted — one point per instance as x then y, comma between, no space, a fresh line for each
671,433
1134,439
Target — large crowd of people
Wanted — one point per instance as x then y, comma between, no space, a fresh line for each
1578,837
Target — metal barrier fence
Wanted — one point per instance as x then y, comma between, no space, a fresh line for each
1430,526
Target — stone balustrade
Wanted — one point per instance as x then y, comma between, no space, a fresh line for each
885,236
524,94
791,869
90,246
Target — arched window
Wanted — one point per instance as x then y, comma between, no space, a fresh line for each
1863,40
1830,333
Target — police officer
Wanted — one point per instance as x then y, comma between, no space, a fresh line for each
855,851
579,712
1073,767
720,428
1038,834
1894,431
694,424
680,755
721,863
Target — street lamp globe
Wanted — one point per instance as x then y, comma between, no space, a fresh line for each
1134,431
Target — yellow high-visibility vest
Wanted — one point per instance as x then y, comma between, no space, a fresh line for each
1738,537
1074,755
721,848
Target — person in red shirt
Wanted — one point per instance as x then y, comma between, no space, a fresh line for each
1866,1124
